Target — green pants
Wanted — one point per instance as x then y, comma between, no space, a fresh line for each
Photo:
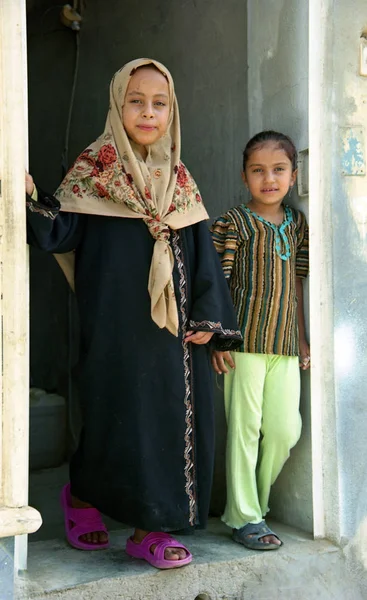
262,410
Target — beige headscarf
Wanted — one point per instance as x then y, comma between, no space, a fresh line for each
110,178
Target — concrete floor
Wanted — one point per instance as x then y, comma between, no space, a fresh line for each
302,569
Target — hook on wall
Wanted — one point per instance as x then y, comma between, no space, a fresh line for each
70,17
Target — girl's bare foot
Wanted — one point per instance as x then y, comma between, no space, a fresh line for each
95,537
269,539
169,554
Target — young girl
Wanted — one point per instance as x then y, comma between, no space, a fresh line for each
151,294
263,247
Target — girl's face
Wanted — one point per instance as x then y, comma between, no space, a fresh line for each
269,174
145,113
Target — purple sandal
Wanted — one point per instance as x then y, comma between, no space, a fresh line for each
156,559
80,521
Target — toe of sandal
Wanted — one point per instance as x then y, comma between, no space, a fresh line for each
250,536
162,541
81,521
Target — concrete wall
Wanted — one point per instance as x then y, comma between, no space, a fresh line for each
349,206
204,45
278,99
7,568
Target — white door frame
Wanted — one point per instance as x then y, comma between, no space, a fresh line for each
325,478
16,517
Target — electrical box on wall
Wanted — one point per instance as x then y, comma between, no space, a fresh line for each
302,177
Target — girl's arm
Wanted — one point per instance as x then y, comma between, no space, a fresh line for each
225,239
301,273
212,310
49,229
304,349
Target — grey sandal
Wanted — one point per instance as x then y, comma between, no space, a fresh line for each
250,535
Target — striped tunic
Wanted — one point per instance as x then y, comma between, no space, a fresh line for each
262,285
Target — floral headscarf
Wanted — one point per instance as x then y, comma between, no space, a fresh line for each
110,178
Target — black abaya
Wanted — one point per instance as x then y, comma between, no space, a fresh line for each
146,452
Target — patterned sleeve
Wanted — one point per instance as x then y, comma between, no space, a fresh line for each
225,238
302,246
49,229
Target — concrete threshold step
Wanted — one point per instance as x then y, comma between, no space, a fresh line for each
303,569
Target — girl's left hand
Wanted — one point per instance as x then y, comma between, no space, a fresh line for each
29,184
198,337
304,355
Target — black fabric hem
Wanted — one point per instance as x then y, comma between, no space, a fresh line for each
46,205
223,339
135,514
242,350
190,467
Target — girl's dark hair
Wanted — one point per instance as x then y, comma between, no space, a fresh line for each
261,139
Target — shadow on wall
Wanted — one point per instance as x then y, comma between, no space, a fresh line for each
356,557
281,89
